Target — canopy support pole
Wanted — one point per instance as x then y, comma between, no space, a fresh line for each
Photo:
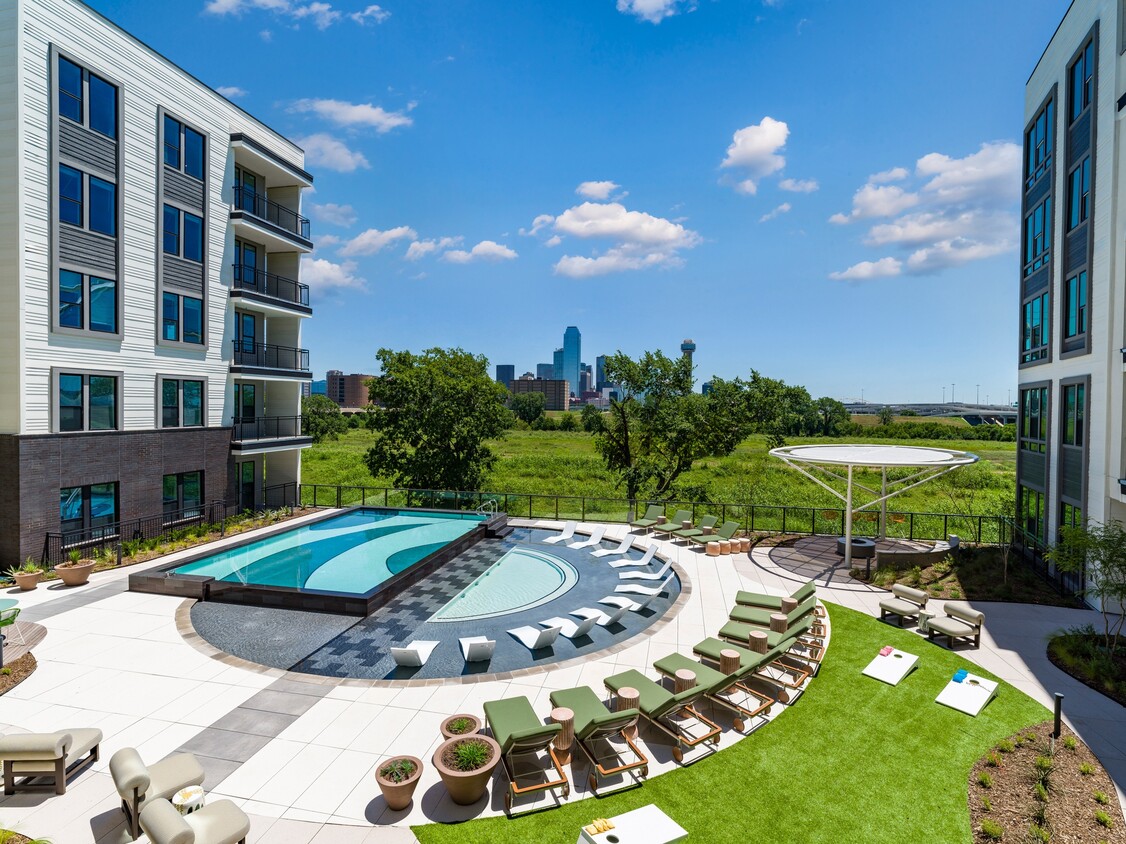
884,503
848,523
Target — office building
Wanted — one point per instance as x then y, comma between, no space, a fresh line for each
505,372
1070,458
545,371
151,304
557,364
572,358
348,390
600,372
556,394
586,379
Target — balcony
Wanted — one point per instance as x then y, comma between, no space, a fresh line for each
279,227
266,359
260,433
270,289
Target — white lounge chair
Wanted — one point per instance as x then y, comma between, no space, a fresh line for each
569,628
413,655
534,638
605,619
627,603
477,648
595,538
650,552
627,543
568,532
647,575
638,589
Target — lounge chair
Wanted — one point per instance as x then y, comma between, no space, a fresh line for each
638,589
774,602
571,629
776,666
603,619
724,531
477,648
138,784
652,513
647,575
521,733
219,822
47,756
628,603
594,539
671,712
960,622
675,523
568,532
598,731
727,690
760,617
905,604
626,544
687,533
415,654
534,638
805,647
646,558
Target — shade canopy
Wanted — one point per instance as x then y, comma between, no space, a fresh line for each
876,456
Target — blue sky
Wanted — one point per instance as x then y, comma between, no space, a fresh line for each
823,191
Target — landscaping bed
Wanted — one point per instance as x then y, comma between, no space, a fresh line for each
1080,652
15,672
1021,791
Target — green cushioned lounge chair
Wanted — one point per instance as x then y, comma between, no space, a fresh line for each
688,533
599,734
774,602
761,617
724,531
726,690
776,666
675,523
522,736
672,713
650,517
806,649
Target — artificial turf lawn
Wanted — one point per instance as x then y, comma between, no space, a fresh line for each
853,760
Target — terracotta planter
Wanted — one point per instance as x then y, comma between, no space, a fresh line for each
398,794
75,575
466,787
27,580
475,728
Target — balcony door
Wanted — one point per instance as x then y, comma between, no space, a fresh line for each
246,264
246,475
246,190
245,404
246,332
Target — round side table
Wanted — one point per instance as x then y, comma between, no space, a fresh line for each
565,737
627,698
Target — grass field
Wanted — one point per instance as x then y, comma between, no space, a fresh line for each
853,760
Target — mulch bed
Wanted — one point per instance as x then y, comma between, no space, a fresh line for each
1068,817
21,669
1076,670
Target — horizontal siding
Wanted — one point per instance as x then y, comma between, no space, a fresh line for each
1037,281
86,251
183,276
91,149
1033,469
183,189
1075,252
1071,473
11,368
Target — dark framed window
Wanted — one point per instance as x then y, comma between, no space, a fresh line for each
87,98
1038,237
71,299
1070,515
183,495
1030,510
1074,413
1075,305
1034,419
170,403
91,509
1038,144
171,230
193,237
70,196
1081,77
170,317
70,90
193,319
103,206
103,106
181,403
245,402
172,130
87,201
193,153
87,302
183,148
87,402
103,304
1034,329
1079,194
182,318
183,234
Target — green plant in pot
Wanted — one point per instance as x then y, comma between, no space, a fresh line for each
465,764
460,725
27,575
398,777
76,570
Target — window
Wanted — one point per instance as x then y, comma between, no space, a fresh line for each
1079,194
193,237
1034,333
1070,515
103,304
244,402
172,131
70,195
193,153
193,320
183,148
1034,419
190,245
182,318
1074,413
79,87
103,107
171,230
1030,510
90,509
181,403
171,317
87,302
70,90
1038,237
103,206
99,214
1075,305
183,495
1082,76
1038,145
87,402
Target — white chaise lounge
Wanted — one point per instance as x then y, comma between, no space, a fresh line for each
534,638
477,648
594,539
647,575
415,654
626,544
650,552
568,532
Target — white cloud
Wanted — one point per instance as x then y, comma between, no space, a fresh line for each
756,149
323,150
353,114
538,223
337,215
799,185
883,268
322,14
877,201
654,11
613,261
321,274
992,173
375,14
373,240
895,174
421,248
554,240
784,208
326,240
486,250
231,92
597,190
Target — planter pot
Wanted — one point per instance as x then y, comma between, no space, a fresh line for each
27,580
398,794
466,787
75,575
475,728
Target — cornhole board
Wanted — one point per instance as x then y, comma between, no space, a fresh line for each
891,668
969,696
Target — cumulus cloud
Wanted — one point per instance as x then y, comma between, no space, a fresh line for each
373,240
231,92
421,248
655,11
323,150
486,250
353,114
538,223
954,210
799,185
374,14
596,190
756,149
784,208
322,274
331,212
322,15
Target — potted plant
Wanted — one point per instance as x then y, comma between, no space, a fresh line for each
460,725
398,777
75,571
26,576
465,764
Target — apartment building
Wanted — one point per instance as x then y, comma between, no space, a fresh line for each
1070,457
556,393
151,305
348,390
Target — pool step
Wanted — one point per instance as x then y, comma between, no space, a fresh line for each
497,527
501,533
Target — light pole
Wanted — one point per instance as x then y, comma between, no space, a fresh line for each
978,393
952,393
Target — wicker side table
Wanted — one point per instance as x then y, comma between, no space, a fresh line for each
566,737
627,698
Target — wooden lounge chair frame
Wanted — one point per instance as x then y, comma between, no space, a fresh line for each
751,705
680,731
599,769
531,746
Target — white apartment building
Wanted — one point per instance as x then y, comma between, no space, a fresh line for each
150,301
1070,458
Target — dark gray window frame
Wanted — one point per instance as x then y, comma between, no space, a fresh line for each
1049,442
1059,246
118,398
1085,381
159,408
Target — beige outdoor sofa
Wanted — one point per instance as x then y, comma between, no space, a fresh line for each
960,622
53,756
905,605
138,784
221,822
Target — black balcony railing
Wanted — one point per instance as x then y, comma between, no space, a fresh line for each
253,202
268,284
266,428
268,356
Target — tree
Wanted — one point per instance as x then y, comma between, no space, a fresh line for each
1101,549
437,410
592,419
831,415
568,422
658,427
886,415
527,406
321,418
777,409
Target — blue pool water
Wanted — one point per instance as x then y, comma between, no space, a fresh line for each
353,552
521,579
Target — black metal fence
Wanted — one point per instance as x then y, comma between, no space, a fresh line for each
270,284
272,212
1031,550
269,356
266,428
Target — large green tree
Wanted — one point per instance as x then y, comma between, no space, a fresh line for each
527,406
321,418
435,412
658,427
1100,551
831,415
777,409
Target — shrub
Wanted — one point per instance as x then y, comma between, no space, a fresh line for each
459,725
1041,792
1102,798
1040,816
955,594
1005,746
985,780
1086,769
1103,819
915,575
6,671
1039,833
992,830
993,760
398,770
1070,743
944,566
986,803
471,755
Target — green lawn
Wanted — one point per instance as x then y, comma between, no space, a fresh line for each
853,760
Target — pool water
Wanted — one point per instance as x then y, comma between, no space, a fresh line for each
521,579
353,552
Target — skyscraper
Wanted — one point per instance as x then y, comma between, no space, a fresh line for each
572,358
687,347
505,372
545,371
600,372
557,365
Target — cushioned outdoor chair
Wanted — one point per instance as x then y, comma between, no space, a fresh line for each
673,713
600,735
751,707
568,532
594,539
806,648
477,648
778,666
219,822
759,617
675,523
646,558
534,638
724,531
415,654
138,784
960,622
688,533
623,547
905,604
651,517
774,602
522,737
47,760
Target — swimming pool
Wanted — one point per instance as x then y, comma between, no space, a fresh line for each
520,580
